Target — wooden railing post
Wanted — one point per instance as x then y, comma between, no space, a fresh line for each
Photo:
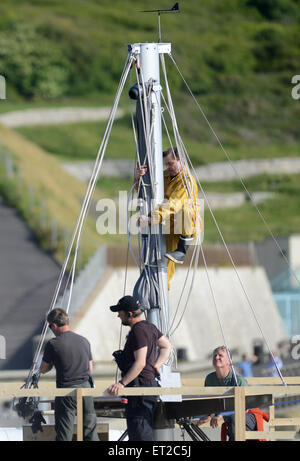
272,417
239,414
79,415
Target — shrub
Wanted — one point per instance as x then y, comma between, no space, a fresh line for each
275,50
276,9
35,67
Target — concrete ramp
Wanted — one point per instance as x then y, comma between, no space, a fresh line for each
198,329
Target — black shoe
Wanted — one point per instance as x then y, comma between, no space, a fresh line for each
178,255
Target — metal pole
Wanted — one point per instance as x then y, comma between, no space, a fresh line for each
150,68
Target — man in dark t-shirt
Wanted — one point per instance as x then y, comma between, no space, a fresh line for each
71,356
139,365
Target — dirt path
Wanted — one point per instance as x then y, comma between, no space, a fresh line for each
56,116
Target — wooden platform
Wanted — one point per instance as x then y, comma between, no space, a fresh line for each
192,390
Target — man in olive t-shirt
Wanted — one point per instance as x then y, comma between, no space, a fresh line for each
223,376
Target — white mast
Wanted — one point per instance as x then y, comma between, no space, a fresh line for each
150,69
149,66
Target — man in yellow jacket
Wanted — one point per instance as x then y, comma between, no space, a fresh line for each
180,210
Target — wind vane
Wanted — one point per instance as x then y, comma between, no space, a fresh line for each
174,9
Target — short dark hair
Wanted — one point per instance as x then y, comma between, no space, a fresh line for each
137,313
59,317
173,151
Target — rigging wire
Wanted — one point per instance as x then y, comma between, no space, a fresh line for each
225,244
179,140
127,224
148,119
141,181
82,217
282,253
186,179
188,273
86,204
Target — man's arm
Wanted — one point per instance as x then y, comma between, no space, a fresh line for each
45,367
140,356
169,207
165,348
140,171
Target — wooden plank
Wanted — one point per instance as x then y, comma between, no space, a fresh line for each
79,415
253,381
257,381
48,434
271,418
276,390
194,391
286,421
48,389
239,413
9,391
282,435
193,382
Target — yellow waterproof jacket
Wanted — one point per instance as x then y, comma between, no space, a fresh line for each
180,209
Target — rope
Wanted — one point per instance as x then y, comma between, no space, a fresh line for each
224,243
82,217
237,174
148,119
186,182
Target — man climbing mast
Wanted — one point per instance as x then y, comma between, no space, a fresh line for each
180,209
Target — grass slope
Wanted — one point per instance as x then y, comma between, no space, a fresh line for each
61,193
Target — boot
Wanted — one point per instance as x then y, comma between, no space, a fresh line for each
178,255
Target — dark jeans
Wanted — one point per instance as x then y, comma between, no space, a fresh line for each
139,415
65,412
250,425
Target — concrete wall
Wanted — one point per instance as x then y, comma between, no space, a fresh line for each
269,256
199,331
294,252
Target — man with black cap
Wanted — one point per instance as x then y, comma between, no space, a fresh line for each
139,366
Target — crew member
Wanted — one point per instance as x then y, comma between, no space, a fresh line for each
70,354
180,209
139,367
223,376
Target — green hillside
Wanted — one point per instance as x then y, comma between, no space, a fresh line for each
238,56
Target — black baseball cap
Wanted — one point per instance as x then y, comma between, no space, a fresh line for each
127,304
